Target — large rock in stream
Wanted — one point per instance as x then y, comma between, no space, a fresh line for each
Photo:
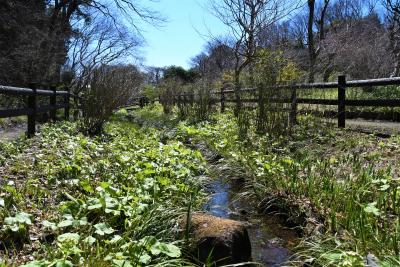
222,240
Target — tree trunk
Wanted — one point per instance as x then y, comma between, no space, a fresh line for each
311,44
238,105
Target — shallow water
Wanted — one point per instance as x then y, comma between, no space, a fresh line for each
270,240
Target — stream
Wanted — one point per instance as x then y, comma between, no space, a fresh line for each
271,241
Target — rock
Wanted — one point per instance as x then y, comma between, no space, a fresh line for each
371,261
226,241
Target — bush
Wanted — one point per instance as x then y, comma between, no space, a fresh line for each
110,88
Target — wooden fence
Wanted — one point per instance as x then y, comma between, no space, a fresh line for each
341,102
32,109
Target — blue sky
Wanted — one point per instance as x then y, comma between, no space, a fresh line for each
180,38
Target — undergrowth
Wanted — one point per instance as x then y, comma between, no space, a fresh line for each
113,200
343,184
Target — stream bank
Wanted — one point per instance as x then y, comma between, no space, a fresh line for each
272,241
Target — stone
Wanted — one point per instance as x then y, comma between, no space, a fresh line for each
221,240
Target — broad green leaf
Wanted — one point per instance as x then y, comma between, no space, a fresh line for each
371,208
115,239
49,225
65,223
69,238
36,264
169,250
103,229
23,217
64,263
145,258
90,240
122,263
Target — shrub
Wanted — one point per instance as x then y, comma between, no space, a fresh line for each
110,87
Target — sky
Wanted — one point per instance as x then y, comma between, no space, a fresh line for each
183,36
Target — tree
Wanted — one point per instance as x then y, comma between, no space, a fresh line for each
38,33
314,50
246,19
96,44
393,17
216,58
358,48
21,27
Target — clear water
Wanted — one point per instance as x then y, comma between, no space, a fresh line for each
271,241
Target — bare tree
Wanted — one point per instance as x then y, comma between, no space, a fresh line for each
358,48
245,19
393,17
216,58
96,44
313,49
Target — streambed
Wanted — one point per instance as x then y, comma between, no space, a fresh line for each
271,241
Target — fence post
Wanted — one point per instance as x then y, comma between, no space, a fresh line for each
32,105
293,107
66,103
53,103
342,101
223,98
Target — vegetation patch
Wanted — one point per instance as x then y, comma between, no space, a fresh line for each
341,184
113,200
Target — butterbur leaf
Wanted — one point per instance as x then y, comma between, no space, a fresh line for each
80,222
69,237
20,218
95,206
103,229
36,264
333,257
145,258
371,208
64,263
49,225
24,218
65,223
169,250
122,263
90,240
149,241
115,239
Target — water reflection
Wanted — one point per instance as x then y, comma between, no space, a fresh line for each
271,242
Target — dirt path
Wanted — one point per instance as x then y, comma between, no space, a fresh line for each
384,127
12,133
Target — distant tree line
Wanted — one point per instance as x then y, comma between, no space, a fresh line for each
322,37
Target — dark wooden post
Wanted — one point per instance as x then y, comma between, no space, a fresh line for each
223,98
293,108
53,103
67,106
342,101
185,100
32,105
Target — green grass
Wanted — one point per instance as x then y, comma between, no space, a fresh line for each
113,200
341,186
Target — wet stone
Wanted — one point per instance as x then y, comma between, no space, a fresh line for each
224,241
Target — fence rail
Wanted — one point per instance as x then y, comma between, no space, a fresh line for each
341,102
32,109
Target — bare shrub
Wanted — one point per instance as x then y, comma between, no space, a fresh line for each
110,87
